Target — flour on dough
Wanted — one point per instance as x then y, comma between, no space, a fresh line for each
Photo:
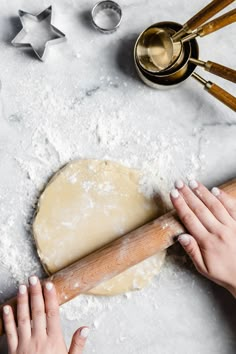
87,204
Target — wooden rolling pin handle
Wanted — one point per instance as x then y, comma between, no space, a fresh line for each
112,259
222,95
116,257
206,13
218,23
221,70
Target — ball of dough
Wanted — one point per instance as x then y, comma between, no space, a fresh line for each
86,205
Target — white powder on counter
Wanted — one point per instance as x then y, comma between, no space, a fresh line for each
54,141
86,101
52,126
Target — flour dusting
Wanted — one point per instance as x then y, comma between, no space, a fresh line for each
57,116
161,156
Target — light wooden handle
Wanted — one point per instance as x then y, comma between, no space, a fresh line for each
112,259
221,70
116,257
222,95
218,23
206,13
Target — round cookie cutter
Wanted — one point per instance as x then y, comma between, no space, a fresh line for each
106,16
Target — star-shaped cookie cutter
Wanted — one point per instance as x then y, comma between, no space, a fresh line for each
17,41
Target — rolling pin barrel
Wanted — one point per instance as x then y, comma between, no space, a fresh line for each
116,257
112,259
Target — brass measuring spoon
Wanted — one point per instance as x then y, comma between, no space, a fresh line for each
210,27
154,49
217,92
216,69
206,29
212,67
155,57
174,79
202,16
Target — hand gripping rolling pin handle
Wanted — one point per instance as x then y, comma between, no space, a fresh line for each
116,257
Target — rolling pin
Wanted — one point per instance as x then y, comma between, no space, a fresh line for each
116,257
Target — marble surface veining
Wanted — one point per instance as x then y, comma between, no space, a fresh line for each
47,113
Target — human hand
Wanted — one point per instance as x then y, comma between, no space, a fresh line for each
210,218
45,336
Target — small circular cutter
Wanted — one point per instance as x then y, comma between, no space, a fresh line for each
114,19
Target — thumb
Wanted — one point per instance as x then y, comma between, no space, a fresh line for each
192,248
78,340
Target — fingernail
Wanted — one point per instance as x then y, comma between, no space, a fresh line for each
85,332
6,310
174,193
184,240
22,289
33,280
215,191
193,184
49,286
179,184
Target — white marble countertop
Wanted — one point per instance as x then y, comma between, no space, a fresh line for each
86,101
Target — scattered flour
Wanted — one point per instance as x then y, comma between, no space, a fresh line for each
78,105
50,125
48,143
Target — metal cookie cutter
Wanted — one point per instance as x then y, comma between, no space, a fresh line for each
56,36
106,16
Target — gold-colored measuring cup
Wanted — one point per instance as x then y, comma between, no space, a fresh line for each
217,92
208,28
158,49
176,75
154,49
187,67
213,8
216,69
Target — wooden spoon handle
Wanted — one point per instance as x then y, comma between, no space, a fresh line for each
222,95
221,70
206,13
116,257
218,23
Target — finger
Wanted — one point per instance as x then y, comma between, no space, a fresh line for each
52,310
192,248
10,329
188,218
23,314
198,208
228,201
212,203
78,341
37,307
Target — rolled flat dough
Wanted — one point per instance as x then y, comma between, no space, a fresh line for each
87,204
